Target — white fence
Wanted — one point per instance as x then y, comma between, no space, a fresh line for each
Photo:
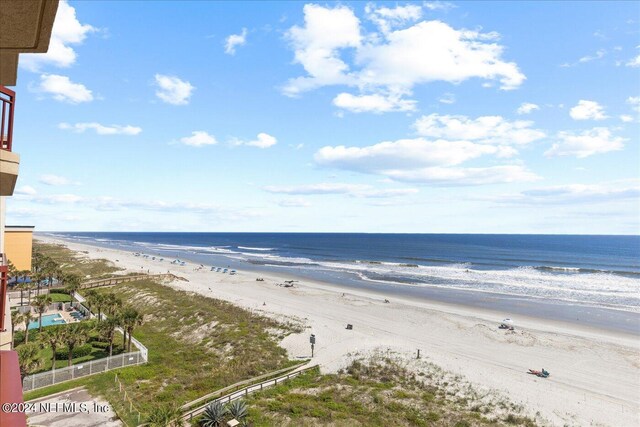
45,379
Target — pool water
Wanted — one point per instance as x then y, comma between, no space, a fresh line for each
48,320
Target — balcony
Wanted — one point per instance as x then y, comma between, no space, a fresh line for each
11,383
5,313
11,389
9,161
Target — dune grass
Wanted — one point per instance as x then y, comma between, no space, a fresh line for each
75,262
379,391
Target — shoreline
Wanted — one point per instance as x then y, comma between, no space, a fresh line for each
595,376
566,311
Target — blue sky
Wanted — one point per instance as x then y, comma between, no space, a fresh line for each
477,117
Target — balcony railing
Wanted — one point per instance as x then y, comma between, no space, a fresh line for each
4,278
8,99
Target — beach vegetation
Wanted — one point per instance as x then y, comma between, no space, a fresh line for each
196,345
375,391
58,262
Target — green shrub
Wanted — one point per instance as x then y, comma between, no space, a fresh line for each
81,351
58,291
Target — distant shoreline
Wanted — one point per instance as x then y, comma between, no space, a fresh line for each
610,319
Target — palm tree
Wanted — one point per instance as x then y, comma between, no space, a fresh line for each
49,270
12,270
75,335
26,319
41,304
100,301
28,287
54,336
111,303
165,415
36,260
23,287
90,298
16,317
130,319
37,278
28,358
24,274
238,409
72,282
107,330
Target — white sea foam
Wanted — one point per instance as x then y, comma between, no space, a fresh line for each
255,249
567,284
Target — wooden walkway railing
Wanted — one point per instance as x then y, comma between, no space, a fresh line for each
115,280
228,397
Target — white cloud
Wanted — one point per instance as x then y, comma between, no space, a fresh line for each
294,203
464,176
67,30
390,63
387,18
172,90
585,144
354,190
235,40
576,193
439,5
447,98
634,62
101,129
587,110
316,44
62,89
401,154
376,103
199,138
588,58
312,189
634,101
263,140
626,118
527,108
485,129
26,190
55,180
56,198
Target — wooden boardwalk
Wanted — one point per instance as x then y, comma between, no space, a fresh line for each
232,392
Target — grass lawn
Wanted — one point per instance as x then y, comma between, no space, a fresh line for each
378,392
60,297
99,350
196,345
74,262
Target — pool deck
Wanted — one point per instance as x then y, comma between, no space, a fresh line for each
66,315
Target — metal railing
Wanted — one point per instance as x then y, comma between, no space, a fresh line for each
4,277
189,416
55,376
98,366
8,99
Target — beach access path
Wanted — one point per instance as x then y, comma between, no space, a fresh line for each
595,374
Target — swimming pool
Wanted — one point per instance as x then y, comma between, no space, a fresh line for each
48,320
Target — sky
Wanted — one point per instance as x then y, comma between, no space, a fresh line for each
418,117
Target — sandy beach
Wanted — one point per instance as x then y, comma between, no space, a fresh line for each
595,374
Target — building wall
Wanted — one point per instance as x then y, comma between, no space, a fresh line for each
18,245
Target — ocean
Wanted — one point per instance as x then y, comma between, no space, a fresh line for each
592,280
